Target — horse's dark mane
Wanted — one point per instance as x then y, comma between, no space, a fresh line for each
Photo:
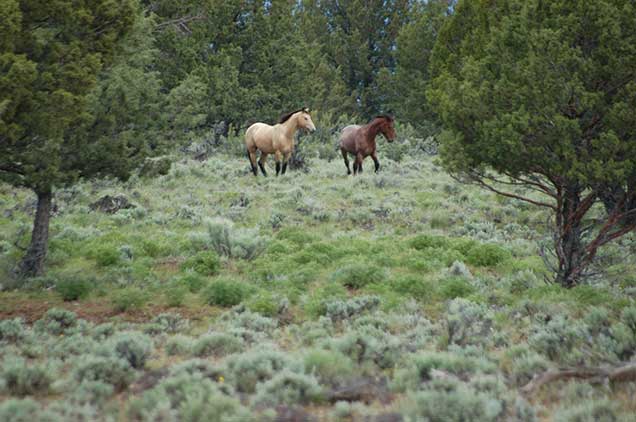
384,116
286,117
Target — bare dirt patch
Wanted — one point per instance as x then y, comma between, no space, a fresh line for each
96,310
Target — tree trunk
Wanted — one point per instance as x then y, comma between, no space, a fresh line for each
32,264
570,249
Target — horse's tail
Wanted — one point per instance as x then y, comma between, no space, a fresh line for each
249,139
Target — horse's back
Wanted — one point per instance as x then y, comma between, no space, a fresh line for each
348,137
254,133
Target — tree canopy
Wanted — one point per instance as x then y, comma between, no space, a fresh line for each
56,124
542,95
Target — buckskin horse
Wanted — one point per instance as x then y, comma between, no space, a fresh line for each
360,141
277,139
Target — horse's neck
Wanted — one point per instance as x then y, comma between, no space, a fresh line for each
373,129
290,127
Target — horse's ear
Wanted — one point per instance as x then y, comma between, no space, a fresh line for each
306,110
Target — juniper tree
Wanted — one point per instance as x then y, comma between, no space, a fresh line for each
51,54
242,61
359,37
540,95
407,85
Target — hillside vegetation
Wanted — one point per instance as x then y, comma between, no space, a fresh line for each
486,273
220,296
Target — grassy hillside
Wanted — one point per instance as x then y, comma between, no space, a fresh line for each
220,296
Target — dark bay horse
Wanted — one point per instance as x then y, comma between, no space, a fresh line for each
360,141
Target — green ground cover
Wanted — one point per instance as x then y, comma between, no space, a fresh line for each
221,296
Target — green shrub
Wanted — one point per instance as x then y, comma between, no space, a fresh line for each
523,280
155,167
56,321
175,295
592,295
558,339
323,252
339,310
468,323
316,303
597,320
155,248
628,317
20,378
330,367
454,287
304,275
74,288
526,366
216,344
248,369
106,256
204,262
441,257
244,319
290,388
419,368
357,275
589,411
224,292
129,298
369,347
280,248
179,345
266,303
12,330
190,398
132,346
296,235
234,243
459,269
452,404
108,369
69,347
487,255
621,341
463,245
192,281
92,393
170,322
425,241
103,331
199,367
24,410
413,286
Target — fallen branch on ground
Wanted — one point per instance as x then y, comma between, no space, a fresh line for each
623,373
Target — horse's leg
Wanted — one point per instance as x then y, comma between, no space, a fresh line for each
346,160
252,157
375,161
287,157
261,163
357,164
278,156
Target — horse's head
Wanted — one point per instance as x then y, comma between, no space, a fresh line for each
387,128
304,120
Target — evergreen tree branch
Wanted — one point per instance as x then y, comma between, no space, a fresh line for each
478,179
